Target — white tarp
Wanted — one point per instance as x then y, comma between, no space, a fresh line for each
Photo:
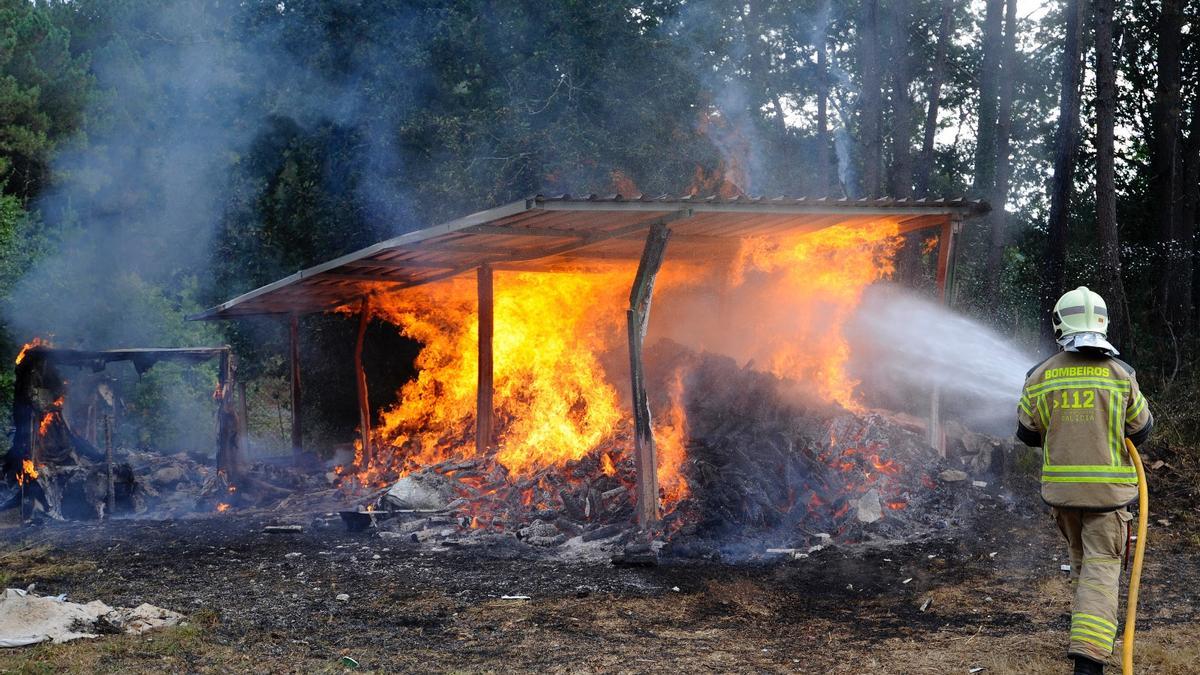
27,619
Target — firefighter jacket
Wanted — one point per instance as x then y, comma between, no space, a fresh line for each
1079,407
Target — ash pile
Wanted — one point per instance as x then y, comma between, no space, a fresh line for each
767,470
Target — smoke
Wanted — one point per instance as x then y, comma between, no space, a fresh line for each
905,346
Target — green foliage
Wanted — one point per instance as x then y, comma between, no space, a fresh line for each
202,149
42,93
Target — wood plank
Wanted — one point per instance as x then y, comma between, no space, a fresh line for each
294,361
946,245
402,264
360,381
638,317
484,406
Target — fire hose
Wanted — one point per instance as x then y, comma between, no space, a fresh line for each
1139,552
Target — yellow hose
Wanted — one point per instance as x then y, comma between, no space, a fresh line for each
1139,550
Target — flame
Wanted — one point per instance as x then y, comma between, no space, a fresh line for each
670,439
813,282
44,427
35,342
553,400
558,397
28,472
222,507
606,465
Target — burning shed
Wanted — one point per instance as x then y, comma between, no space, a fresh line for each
517,394
67,473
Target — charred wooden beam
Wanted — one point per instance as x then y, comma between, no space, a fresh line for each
638,317
945,280
110,501
484,407
22,413
294,362
360,379
403,264
229,427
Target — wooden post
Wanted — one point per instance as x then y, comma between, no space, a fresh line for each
484,406
111,502
360,379
945,280
244,417
638,317
294,358
230,428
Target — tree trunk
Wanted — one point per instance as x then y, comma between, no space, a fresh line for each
998,218
1191,198
1110,284
825,151
903,107
1165,166
1066,141
936,77
871,120
989,80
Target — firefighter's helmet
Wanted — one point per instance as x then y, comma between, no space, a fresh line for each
1081,320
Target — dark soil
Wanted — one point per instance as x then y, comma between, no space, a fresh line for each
416,607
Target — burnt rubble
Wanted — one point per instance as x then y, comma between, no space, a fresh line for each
766,468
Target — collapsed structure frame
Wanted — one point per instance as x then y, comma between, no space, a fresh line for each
548,234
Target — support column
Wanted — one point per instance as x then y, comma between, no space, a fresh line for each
945,281
294,360
230,426
360,379
638,317
484,406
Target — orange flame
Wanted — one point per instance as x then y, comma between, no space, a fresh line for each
670,439
551,393
558,334
35,342
222,507
813,283
606,465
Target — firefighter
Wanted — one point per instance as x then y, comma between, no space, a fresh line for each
1078,406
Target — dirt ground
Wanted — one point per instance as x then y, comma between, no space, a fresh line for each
993,598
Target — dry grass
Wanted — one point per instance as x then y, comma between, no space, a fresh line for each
25,566
1164,651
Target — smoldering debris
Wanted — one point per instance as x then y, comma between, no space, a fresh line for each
765,468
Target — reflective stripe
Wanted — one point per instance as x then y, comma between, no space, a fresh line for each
1092,618
1090,468
1139,404
1093,630
1116,431
1080,309
1089,473
1025,408
1077,383
1088,629
1092,638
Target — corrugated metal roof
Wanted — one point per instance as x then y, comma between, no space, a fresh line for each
552,232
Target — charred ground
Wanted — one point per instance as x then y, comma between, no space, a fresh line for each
992,597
